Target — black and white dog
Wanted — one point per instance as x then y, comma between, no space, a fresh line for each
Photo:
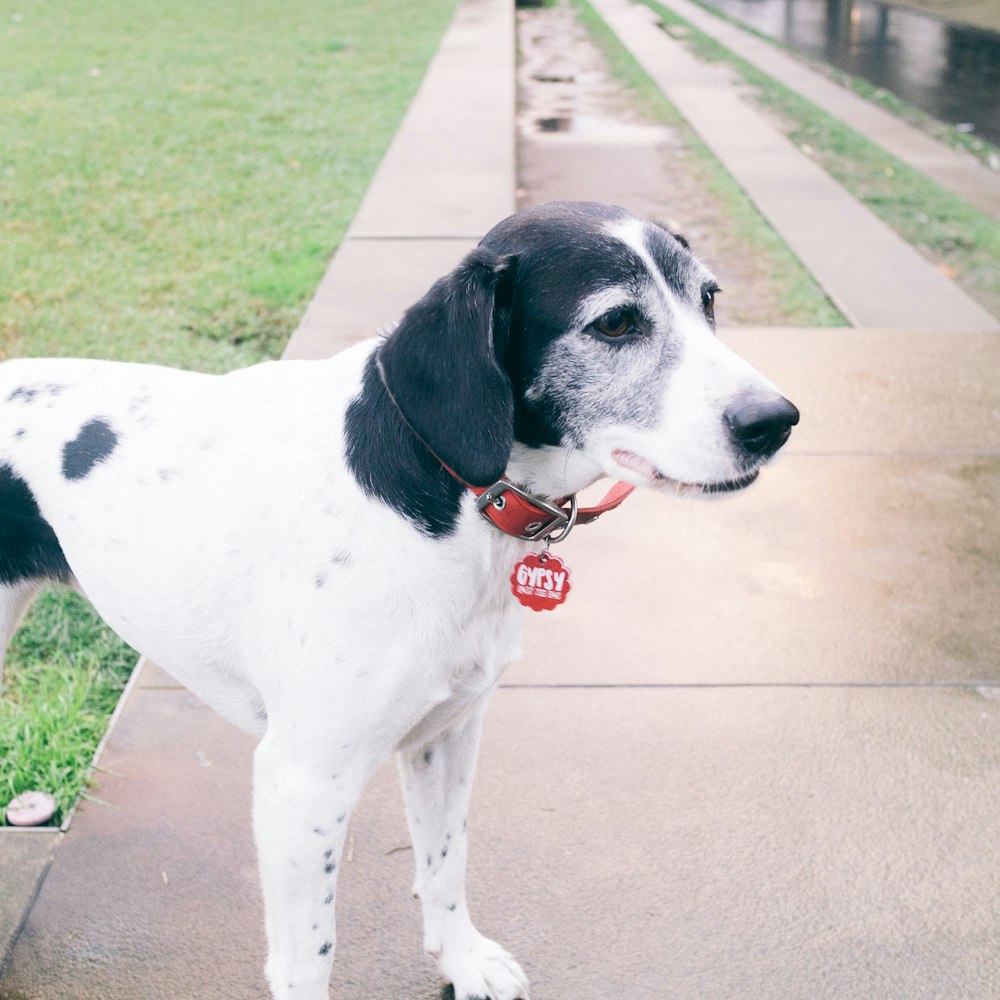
298,543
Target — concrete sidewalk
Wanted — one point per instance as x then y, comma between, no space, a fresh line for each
756,755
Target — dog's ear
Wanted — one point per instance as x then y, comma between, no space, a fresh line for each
443,368
671,231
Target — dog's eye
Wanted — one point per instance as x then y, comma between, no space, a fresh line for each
708,294
616,323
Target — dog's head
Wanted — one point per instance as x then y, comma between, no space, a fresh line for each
579,331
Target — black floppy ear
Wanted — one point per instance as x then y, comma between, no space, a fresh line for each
680,237
441,366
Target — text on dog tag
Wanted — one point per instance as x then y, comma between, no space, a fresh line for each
540,581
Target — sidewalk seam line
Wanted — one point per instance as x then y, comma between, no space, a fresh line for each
946,685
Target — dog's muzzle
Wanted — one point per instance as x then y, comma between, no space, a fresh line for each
760,425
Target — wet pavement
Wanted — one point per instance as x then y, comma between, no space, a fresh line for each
951,71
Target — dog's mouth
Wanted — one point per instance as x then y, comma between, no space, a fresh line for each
637,464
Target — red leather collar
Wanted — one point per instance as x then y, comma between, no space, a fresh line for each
516,512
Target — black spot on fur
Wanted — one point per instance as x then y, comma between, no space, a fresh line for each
330,867
326,947
29,549
29,393
428,757
452,907
93,445
329,899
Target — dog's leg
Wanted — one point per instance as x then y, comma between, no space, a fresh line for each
301,810
437,782
15,599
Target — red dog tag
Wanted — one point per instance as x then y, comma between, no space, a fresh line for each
540,581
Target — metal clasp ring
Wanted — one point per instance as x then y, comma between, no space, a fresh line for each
558,519
568,527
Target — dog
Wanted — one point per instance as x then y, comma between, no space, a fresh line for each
303,543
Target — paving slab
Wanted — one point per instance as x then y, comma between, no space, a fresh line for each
958,172
832,570
766,844
892,392
448,171
25,856
694,843
870,273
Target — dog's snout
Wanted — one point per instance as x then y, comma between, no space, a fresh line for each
760,425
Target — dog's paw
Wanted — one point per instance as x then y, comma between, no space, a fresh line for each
479,969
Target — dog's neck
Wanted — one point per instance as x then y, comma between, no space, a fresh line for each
392,463
550,472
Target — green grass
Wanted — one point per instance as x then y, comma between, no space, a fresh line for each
962,241
65,670
173,181
174,177
799,296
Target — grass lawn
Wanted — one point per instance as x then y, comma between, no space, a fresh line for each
173,180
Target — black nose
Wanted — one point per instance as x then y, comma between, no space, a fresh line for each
760,425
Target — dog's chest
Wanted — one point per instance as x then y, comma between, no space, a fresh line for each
466,627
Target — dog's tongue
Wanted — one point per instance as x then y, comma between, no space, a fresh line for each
635,463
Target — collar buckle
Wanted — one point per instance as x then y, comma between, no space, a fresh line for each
550,517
